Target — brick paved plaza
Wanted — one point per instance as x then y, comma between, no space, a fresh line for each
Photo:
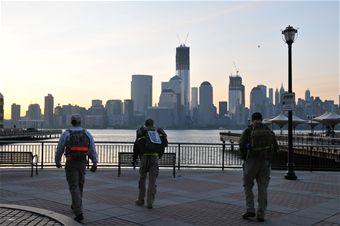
194,197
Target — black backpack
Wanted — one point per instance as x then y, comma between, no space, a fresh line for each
153,141
77,145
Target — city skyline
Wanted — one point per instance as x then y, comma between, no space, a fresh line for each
94,60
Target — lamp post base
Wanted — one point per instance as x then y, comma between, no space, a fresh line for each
290,175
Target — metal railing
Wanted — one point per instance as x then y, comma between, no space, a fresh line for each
192,155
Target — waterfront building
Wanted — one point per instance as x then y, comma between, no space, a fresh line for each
162,116
222,108
63,114
236,93
174,87
257,101
15,114
206,109
128,112
194,97
48,111
95,117
282,91
263,90
277,97
114,113
270,96
33,112
141,93
183,71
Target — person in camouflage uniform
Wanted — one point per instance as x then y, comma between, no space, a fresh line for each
257,144
149,147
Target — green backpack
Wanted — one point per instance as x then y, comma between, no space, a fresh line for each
261,141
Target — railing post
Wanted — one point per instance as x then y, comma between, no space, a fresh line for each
223,150
310,158
232,146
179,157
42,155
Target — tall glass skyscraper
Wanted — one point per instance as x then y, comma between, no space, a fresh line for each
236,93
48,111
183,71
141,93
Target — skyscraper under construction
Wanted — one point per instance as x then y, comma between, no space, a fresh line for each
183,71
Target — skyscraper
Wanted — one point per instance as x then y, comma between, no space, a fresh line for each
141,93
183,71
206,109
236,93
1,111
15,113
95,117
263,90
277,97
257,101
282,91
114,112
48,111
194,97
168,98
34,112
222,108
175,84
307,95
271,98
128,112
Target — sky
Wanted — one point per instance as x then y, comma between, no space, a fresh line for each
79,51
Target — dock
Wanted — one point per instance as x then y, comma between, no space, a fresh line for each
304,145
29,134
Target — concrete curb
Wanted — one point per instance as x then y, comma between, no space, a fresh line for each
67,221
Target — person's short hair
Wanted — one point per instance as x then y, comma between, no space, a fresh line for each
148,122
76,120
256,116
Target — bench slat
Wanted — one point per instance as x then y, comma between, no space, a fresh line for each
19,158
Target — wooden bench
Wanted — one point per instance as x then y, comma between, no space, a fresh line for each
167,160
19,159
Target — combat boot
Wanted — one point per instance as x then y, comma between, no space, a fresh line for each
247,215
139,202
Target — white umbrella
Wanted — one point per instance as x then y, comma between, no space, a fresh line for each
331,119
281,120
320,117
297,120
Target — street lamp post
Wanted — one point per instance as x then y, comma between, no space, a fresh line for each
289,35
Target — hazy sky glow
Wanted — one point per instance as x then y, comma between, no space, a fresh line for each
79,51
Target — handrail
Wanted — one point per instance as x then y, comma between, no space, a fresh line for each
191,154
109,142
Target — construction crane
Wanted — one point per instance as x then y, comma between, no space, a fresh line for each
236,68
185,41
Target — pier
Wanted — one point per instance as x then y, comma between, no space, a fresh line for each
15,134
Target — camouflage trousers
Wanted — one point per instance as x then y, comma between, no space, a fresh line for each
148,163
75,175
259,170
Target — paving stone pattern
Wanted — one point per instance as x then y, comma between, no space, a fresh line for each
21,217
195,197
